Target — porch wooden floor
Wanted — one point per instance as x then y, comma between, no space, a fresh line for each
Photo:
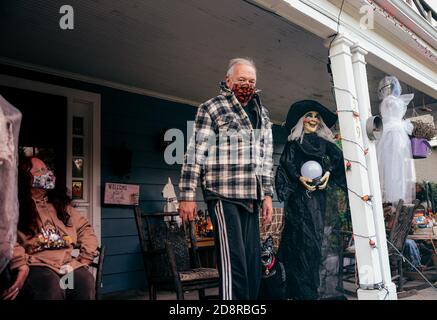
424,294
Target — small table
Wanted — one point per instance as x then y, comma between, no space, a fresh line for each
424,234
422,237
205,241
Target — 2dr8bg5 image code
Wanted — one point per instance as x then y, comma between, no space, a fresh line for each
218,310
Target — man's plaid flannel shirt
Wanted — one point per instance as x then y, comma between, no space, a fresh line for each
224,152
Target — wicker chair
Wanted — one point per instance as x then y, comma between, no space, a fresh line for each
397,237
166,252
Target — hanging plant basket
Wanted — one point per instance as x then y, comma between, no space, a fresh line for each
420,148
424,130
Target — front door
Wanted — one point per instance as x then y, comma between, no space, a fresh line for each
58,127
43,128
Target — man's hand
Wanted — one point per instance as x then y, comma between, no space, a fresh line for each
324,180
12,292
267,210
305,181
187,210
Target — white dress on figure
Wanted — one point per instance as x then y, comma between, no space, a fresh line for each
395,158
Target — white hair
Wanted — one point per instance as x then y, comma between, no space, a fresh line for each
236,61
297,132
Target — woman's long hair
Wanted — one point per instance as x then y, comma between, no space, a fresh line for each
27,222
297,132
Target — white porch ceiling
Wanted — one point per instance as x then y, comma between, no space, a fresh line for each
178,48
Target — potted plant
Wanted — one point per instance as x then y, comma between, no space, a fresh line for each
422,133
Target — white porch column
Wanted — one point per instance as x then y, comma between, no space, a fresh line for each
362,90
367,257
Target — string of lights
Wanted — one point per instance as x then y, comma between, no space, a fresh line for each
411,264
356,143
338,25
347,91
426,50
349,164
354,113
356,234
387,292
365,198
373,245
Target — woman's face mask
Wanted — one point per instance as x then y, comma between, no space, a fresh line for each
44,181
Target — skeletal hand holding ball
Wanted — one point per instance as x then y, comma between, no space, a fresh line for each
324,180
311,176
305,182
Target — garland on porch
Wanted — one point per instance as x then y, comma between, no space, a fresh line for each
397,23
348,166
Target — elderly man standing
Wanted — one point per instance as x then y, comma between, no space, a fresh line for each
232,152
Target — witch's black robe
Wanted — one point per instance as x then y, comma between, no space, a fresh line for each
305,212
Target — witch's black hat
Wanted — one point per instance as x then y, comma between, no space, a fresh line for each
298,109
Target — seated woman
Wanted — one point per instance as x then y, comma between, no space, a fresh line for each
48,230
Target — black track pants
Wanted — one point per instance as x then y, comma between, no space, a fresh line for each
238,249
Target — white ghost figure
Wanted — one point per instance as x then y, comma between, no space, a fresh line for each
172,204
395,158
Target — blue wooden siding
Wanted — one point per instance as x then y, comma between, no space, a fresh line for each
139,122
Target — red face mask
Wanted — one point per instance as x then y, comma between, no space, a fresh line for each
243,92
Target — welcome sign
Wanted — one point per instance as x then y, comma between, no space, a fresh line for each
122,194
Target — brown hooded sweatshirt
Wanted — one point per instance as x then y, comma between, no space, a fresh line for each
54,242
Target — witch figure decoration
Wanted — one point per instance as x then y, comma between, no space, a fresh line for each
309,162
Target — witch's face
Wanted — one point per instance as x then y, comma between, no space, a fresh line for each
311,122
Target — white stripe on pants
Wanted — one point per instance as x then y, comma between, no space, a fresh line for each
224,252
